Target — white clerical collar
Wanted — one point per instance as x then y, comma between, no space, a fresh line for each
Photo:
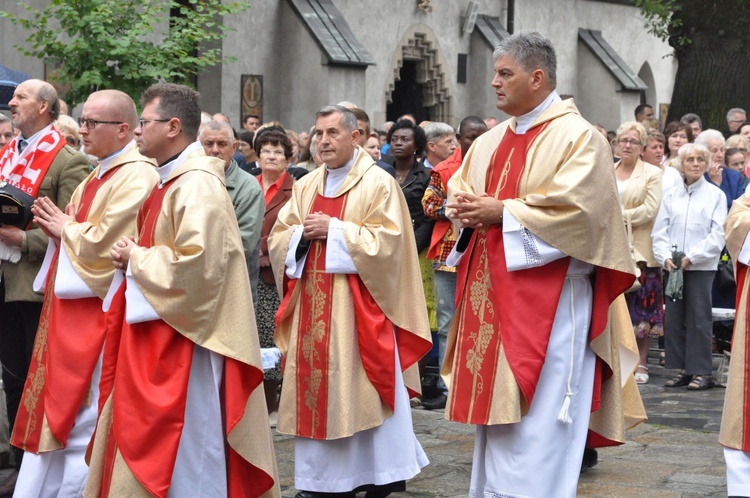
35,136
523,123
166,169
335,177
106,162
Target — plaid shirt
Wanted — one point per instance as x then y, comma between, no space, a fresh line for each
433,202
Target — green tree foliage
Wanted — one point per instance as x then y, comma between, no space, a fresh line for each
711,42
126,45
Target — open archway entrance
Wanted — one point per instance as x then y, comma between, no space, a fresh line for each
408,95
419,85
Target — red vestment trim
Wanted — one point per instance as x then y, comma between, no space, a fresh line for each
314,332
497,306
741,276
608,284
152,374
70,339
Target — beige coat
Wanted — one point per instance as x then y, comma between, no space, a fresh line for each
641,203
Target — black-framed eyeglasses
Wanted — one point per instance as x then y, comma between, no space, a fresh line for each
143,122
93,123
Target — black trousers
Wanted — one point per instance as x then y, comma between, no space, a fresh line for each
18,323
688,326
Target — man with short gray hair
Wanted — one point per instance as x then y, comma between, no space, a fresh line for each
217,138
352,324
735,117
440,143
694,121
532,357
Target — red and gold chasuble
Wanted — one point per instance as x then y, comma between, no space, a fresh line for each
152,372
376,335
495,306
28,172
67,347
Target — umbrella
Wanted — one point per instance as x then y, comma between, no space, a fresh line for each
9,80
675,281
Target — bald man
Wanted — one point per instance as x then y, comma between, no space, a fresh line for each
78,272
40,163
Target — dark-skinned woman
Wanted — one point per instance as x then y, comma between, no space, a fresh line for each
408,142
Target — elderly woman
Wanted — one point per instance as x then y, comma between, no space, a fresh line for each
639,185
729,181
676,134
274,149
690,222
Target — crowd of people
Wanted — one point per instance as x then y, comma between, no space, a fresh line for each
172,289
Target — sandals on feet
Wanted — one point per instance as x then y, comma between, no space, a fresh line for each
662,359
641,377
701,382
679,380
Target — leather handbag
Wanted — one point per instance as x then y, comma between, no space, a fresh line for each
15,206
725,271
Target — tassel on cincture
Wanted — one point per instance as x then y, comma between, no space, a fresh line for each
564,415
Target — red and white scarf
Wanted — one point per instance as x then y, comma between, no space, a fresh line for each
27,169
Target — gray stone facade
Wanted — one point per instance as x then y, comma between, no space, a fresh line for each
273,40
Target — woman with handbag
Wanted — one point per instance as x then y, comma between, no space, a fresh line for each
639,185
688,235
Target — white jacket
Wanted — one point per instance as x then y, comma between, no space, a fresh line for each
692,218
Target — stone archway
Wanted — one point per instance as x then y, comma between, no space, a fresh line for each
649,95
419,45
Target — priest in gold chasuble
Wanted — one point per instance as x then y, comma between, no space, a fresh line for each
184,413
352,323
735,435
534,351
59,406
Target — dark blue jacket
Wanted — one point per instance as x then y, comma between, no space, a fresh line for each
731,185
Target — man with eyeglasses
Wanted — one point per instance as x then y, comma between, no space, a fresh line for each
39,163
735,117
63,384
184,413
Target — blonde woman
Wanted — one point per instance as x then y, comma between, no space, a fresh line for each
639,185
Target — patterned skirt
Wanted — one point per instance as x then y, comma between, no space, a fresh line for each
265,314
646,305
